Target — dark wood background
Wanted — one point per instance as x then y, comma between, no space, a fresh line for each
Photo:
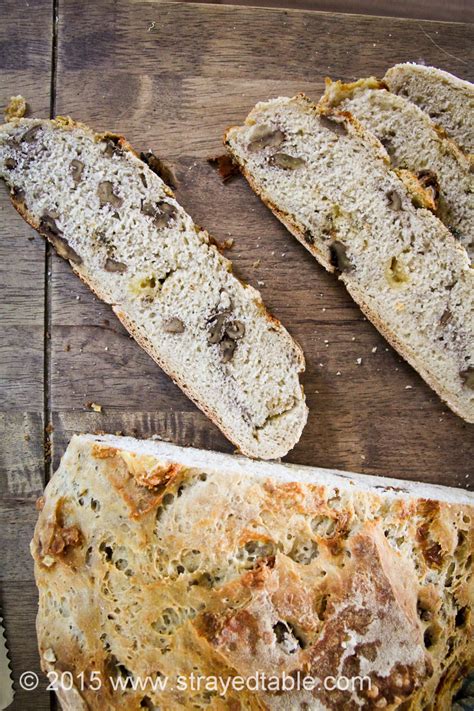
171,77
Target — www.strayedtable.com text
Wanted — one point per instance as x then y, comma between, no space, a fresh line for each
259,681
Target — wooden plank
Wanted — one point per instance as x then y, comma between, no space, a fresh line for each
25,65
21,599
172,77
454,11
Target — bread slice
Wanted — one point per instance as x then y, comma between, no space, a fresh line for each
152,559
413,142
126,236
448,100
330,182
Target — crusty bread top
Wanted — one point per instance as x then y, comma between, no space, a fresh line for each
151,558
128,238
446,98
414,142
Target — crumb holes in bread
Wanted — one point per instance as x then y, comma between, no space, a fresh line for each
287,638
431,636
394,200
323,526
304,551
10,163
395,274
339,258
467,377
429,182
264,136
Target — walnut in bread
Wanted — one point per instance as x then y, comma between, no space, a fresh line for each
348,206
127,237
413,142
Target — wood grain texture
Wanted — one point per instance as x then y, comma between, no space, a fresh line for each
454,11
25,67
172,77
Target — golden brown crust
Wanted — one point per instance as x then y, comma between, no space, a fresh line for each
235,567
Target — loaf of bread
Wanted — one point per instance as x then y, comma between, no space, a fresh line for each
414,142
127,237
155,561
448,100
331,183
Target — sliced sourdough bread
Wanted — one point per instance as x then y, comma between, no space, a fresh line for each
157,561
126,236
413,142
330,182
448,100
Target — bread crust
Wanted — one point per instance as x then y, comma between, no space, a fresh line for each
454,115
260,447
447,195
152,557
297,230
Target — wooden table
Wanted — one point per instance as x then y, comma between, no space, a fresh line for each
171,77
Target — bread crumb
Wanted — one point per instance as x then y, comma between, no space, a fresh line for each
408,387
16,108
261,283
94,406
225,165
374,349
359,361
353,338
338,372
256,263
49,428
